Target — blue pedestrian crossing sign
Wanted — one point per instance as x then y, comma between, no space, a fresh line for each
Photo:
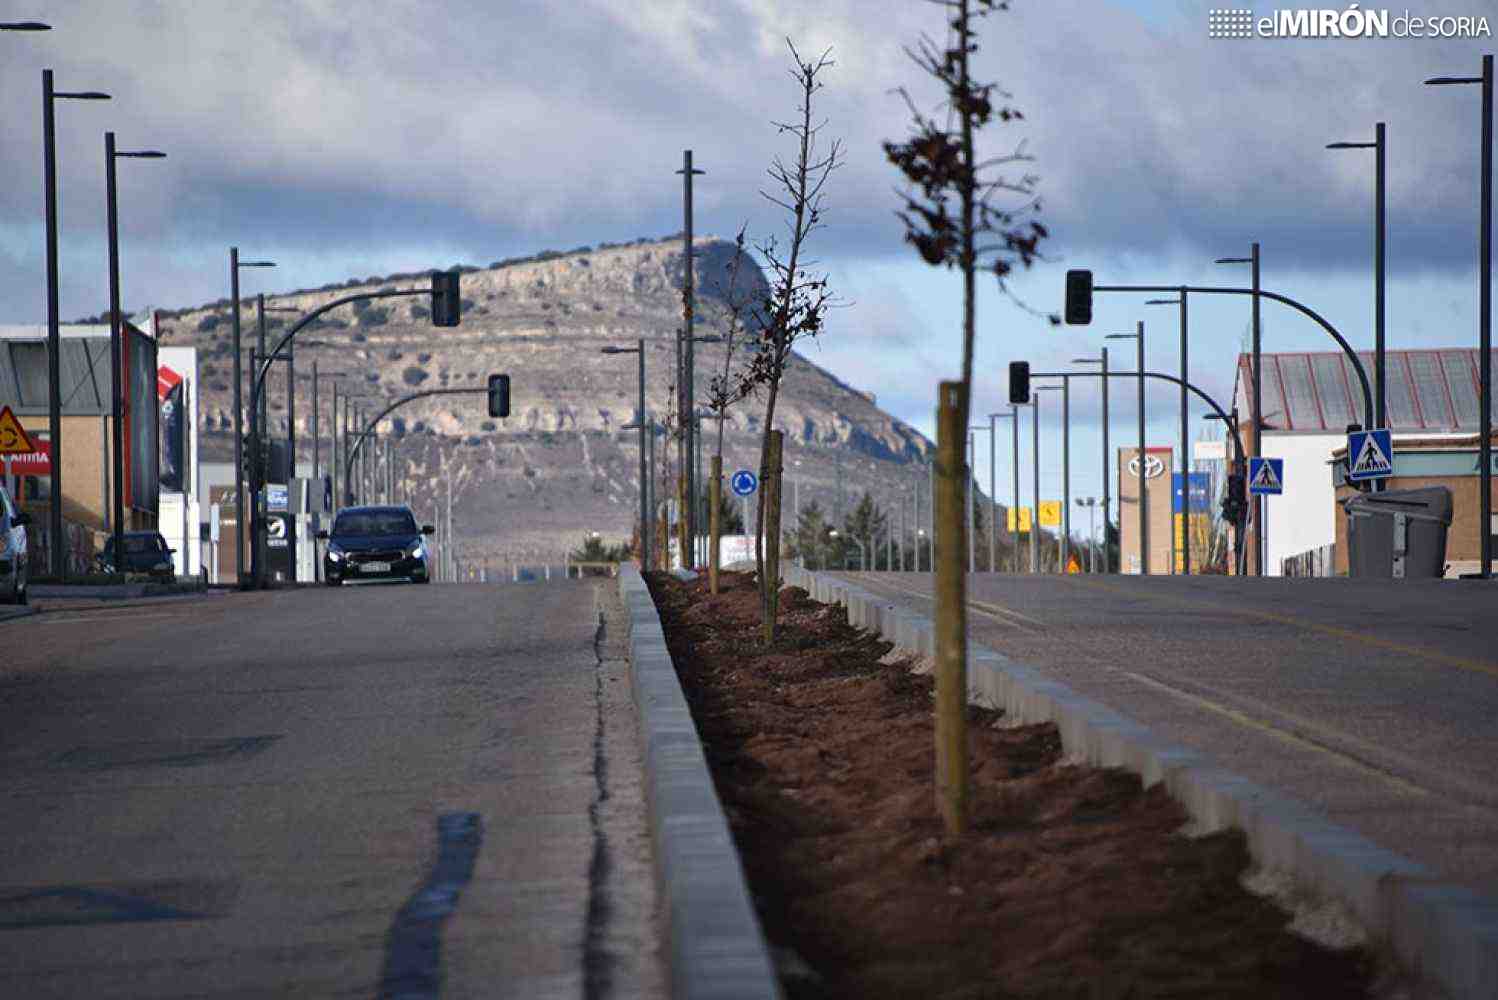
1266,476
1370,455
744,482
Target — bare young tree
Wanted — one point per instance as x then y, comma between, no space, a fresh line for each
723,391
940,164
798,298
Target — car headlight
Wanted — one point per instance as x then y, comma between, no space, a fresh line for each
163,565
414,550
335,554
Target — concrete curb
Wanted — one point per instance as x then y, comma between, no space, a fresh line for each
716,947
1444,934
114,591
18,611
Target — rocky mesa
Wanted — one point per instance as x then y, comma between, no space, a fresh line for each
529,486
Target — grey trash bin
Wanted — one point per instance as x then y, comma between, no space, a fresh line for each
1398,533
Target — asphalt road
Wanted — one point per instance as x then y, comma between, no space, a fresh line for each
240,795
1374,701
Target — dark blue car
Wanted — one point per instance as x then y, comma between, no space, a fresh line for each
376,543
146,552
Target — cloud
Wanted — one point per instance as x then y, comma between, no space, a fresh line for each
317,130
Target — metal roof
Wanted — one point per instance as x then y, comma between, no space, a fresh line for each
1433,390
84,363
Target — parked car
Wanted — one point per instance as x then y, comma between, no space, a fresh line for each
376,543
145,552
14,570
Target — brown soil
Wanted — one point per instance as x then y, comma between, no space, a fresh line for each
1072,882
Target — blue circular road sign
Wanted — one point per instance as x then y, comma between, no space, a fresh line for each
744,482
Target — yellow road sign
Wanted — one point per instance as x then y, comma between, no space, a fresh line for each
13,439
1050,513
1024,520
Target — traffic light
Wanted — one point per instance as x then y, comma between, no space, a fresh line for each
446,305
1235,499
252,467
499,395
1019,381
1078,298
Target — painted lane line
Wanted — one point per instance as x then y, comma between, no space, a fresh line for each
1351,635
48,620
413,949
1283,735
996,611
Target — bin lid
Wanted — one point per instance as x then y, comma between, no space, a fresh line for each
1428,503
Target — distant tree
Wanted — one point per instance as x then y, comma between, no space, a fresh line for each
867,523
809,540
594,549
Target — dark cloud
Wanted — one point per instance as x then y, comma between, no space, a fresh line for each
382,134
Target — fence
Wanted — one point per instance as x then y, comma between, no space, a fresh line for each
1320,561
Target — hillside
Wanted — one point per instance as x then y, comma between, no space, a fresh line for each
529,486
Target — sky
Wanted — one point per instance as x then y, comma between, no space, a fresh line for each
346,139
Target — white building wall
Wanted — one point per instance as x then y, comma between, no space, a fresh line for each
181,512
1304,516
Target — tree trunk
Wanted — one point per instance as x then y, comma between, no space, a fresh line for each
715,500
765,589
770,487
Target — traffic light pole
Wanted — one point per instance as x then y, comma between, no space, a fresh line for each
1305,310
368,429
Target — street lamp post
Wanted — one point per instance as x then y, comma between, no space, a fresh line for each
1091,504
116,336
1107,497
1484,320
54,341
239,477
1378,146
1144,522
1258,396
1035,447
993,489
1185,434
639,349
972,535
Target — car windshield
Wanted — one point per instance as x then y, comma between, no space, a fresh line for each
139,546
375,522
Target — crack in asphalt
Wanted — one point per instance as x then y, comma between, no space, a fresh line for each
598,964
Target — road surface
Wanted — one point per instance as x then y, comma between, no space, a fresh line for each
240,795
1375,702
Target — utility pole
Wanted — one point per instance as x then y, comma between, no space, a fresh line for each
688,405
